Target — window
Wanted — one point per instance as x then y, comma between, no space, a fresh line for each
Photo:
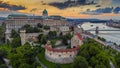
50,53
74,46
59,55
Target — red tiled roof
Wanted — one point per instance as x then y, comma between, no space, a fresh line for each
61,50
79,36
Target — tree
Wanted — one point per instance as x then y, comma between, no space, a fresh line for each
57,66
68,36
42,38
94,54
36,29
24,57
3,66
39,25
52,34
2,33
117,59
16,42
46,27
25,65
3,53
100,60
30,29
65,41
14,34
80,62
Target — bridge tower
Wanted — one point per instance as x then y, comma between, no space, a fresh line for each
97,31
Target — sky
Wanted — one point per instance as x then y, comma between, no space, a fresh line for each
101,9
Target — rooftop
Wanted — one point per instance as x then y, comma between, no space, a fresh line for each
48,47
17,15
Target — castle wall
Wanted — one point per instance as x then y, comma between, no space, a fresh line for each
60,56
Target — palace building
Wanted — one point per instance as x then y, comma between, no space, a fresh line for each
17,21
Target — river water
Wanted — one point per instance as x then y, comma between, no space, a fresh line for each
110,36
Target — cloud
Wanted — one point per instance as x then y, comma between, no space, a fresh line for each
116,10
69,3
11,7
101,11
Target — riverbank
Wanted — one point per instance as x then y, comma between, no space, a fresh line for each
112,36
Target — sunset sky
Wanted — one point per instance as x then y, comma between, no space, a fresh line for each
74,11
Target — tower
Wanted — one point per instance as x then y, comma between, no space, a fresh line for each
97,31
44,13
23,36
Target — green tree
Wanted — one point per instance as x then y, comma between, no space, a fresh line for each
46,27
24,56
52,34
39,25
100,60
68,36
80,62
16,42
117,59
57,66
44,39
30,29
3,53
65,41
40,36
14,34
3,66
25,65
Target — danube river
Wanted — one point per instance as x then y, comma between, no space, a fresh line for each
110,36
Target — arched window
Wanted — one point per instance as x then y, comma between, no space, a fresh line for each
50,53
59,55
74,46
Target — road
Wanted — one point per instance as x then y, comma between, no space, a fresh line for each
7,62
112,65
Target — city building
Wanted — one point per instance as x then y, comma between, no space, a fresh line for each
55,20
17,21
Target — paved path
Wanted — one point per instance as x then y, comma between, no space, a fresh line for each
43,66
7,62
112,65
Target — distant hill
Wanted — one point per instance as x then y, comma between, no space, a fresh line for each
6,13
2,18
86,20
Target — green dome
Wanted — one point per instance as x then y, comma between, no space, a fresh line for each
45,11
